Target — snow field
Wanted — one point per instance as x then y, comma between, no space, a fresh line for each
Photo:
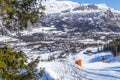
91,70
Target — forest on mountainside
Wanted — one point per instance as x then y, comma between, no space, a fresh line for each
113,46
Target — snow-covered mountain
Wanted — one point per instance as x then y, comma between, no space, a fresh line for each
55,6
73,16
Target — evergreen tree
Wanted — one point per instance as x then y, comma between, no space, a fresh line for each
113,46
17,14
98,50
13,66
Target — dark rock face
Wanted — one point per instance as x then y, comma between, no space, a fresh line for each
88,7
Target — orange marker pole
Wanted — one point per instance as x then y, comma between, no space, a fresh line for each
103,61
80,63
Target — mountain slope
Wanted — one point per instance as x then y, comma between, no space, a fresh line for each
71,16
68,70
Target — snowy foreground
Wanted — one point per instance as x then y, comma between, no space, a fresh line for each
92,69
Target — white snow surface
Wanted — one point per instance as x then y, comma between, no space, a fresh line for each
40,30
7,38
92,69
61,6
54,6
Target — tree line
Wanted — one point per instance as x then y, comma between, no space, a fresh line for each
113,46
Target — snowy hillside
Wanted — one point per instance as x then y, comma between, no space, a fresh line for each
66,69
53,6
72,16
58,6
92,69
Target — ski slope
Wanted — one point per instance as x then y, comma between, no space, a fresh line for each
92,69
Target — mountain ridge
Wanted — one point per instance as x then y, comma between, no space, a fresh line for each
81,17
53,6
